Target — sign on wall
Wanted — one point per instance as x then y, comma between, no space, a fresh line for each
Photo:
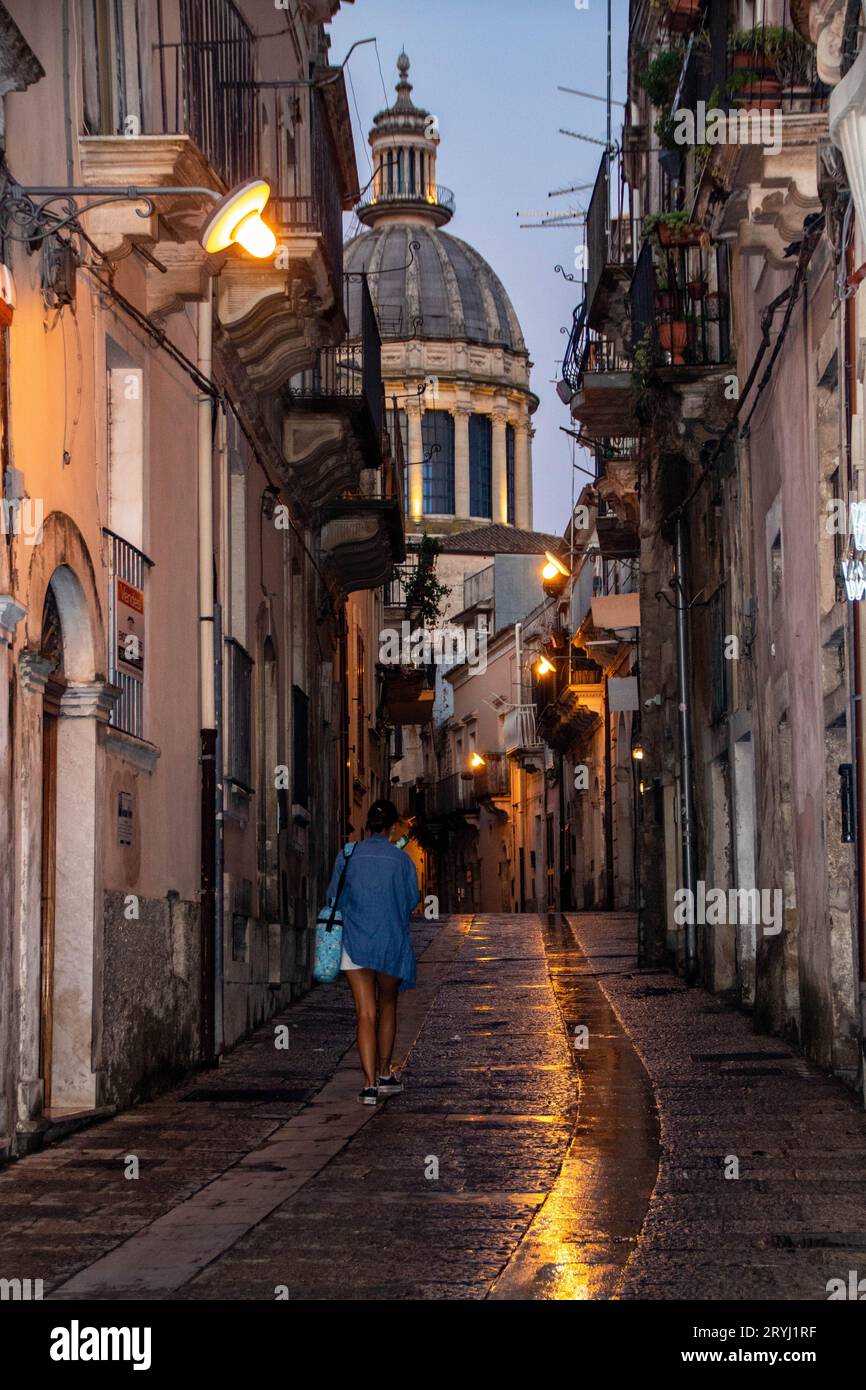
129,615
124,819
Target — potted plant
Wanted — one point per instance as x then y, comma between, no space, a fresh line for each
661,76
672,229
697,290
667,295
776,55
673,336
755,91
681,15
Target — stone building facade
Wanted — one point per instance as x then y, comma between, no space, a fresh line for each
201,506
719,330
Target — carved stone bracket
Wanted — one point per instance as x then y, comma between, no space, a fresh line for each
767,197
11,613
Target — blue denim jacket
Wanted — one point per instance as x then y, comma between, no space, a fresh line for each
379,894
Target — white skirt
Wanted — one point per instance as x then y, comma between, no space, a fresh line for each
346,962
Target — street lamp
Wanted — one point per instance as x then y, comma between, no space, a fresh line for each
238,218
554,575
544,666
637,752
476,762
235,219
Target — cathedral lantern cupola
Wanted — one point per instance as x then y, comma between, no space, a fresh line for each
404,141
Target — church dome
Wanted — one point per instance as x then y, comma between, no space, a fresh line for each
426,283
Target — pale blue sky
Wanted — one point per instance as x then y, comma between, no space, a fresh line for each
489,70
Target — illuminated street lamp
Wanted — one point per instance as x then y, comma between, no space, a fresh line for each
476,762
40,212
554,575
237,218
637,752
544,666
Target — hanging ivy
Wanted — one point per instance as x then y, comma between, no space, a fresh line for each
424,592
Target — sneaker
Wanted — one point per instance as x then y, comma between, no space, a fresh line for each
369,1095
389,1085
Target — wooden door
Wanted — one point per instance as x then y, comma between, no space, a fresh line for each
51,710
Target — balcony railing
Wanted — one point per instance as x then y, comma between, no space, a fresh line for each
519,729
436,196
128,569
454,794
207,88
348,375
478,587
589,351
309,194
680,308
207,85
610,239
459,792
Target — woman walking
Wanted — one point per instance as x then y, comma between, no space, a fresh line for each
380,890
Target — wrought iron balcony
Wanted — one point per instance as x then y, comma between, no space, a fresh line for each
598,371
346,380
610,255
678,320
463,793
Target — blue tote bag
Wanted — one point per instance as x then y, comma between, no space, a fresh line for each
329,931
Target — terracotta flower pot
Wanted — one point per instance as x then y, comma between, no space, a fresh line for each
762,94
756,62
684,15
673,336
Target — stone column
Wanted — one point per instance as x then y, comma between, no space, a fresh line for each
33,673
500,472
523,475
79,900
461,460
415,500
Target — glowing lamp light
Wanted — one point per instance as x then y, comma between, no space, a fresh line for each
637,753
554,575
476,761
237,219
544,666
553,567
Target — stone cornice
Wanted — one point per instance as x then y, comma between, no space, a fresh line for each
763,199
136,751
89,700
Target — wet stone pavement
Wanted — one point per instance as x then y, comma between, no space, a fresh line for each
516,1164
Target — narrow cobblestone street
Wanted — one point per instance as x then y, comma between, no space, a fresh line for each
514,1166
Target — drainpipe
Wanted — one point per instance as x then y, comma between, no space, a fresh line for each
211,891
857,669
687,808
608,806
